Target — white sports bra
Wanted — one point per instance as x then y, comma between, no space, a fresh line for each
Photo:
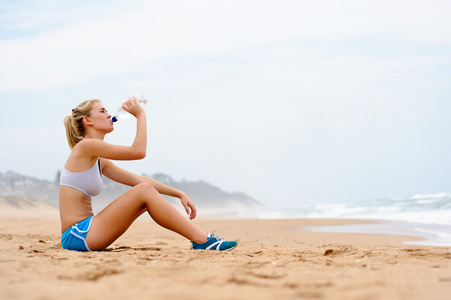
88,182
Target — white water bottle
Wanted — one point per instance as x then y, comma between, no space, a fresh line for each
121,114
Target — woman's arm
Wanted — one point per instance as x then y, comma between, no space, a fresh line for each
98,148
113,172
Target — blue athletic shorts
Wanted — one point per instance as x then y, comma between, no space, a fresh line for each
74,238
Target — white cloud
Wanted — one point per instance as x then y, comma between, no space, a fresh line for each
125,38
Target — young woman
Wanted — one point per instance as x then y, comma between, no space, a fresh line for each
81,179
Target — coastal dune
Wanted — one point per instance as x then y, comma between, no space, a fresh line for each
275,259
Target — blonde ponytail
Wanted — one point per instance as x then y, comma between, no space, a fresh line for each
75,131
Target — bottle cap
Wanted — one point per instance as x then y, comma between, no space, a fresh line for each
114,119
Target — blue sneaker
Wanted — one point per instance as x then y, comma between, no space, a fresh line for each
215,242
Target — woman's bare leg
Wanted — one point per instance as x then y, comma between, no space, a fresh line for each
117,217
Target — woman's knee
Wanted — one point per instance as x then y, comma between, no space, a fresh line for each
145,188
146,195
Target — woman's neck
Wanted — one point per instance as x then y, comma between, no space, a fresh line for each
94,135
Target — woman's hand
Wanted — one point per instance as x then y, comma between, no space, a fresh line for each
189,206
133,106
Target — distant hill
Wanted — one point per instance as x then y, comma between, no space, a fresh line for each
21,202
24,192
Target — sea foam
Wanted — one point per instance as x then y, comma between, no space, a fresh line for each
422,215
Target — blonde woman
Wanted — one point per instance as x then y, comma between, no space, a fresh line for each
81,178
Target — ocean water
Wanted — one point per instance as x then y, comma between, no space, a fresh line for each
423,215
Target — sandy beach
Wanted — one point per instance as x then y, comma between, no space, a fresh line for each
275,259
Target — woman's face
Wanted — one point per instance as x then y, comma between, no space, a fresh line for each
100,118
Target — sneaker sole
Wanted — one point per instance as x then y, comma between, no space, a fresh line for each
215,249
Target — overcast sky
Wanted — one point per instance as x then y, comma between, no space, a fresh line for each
291,102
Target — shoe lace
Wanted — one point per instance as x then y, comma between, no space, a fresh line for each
214,235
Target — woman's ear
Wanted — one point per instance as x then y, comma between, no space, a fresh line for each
87,121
